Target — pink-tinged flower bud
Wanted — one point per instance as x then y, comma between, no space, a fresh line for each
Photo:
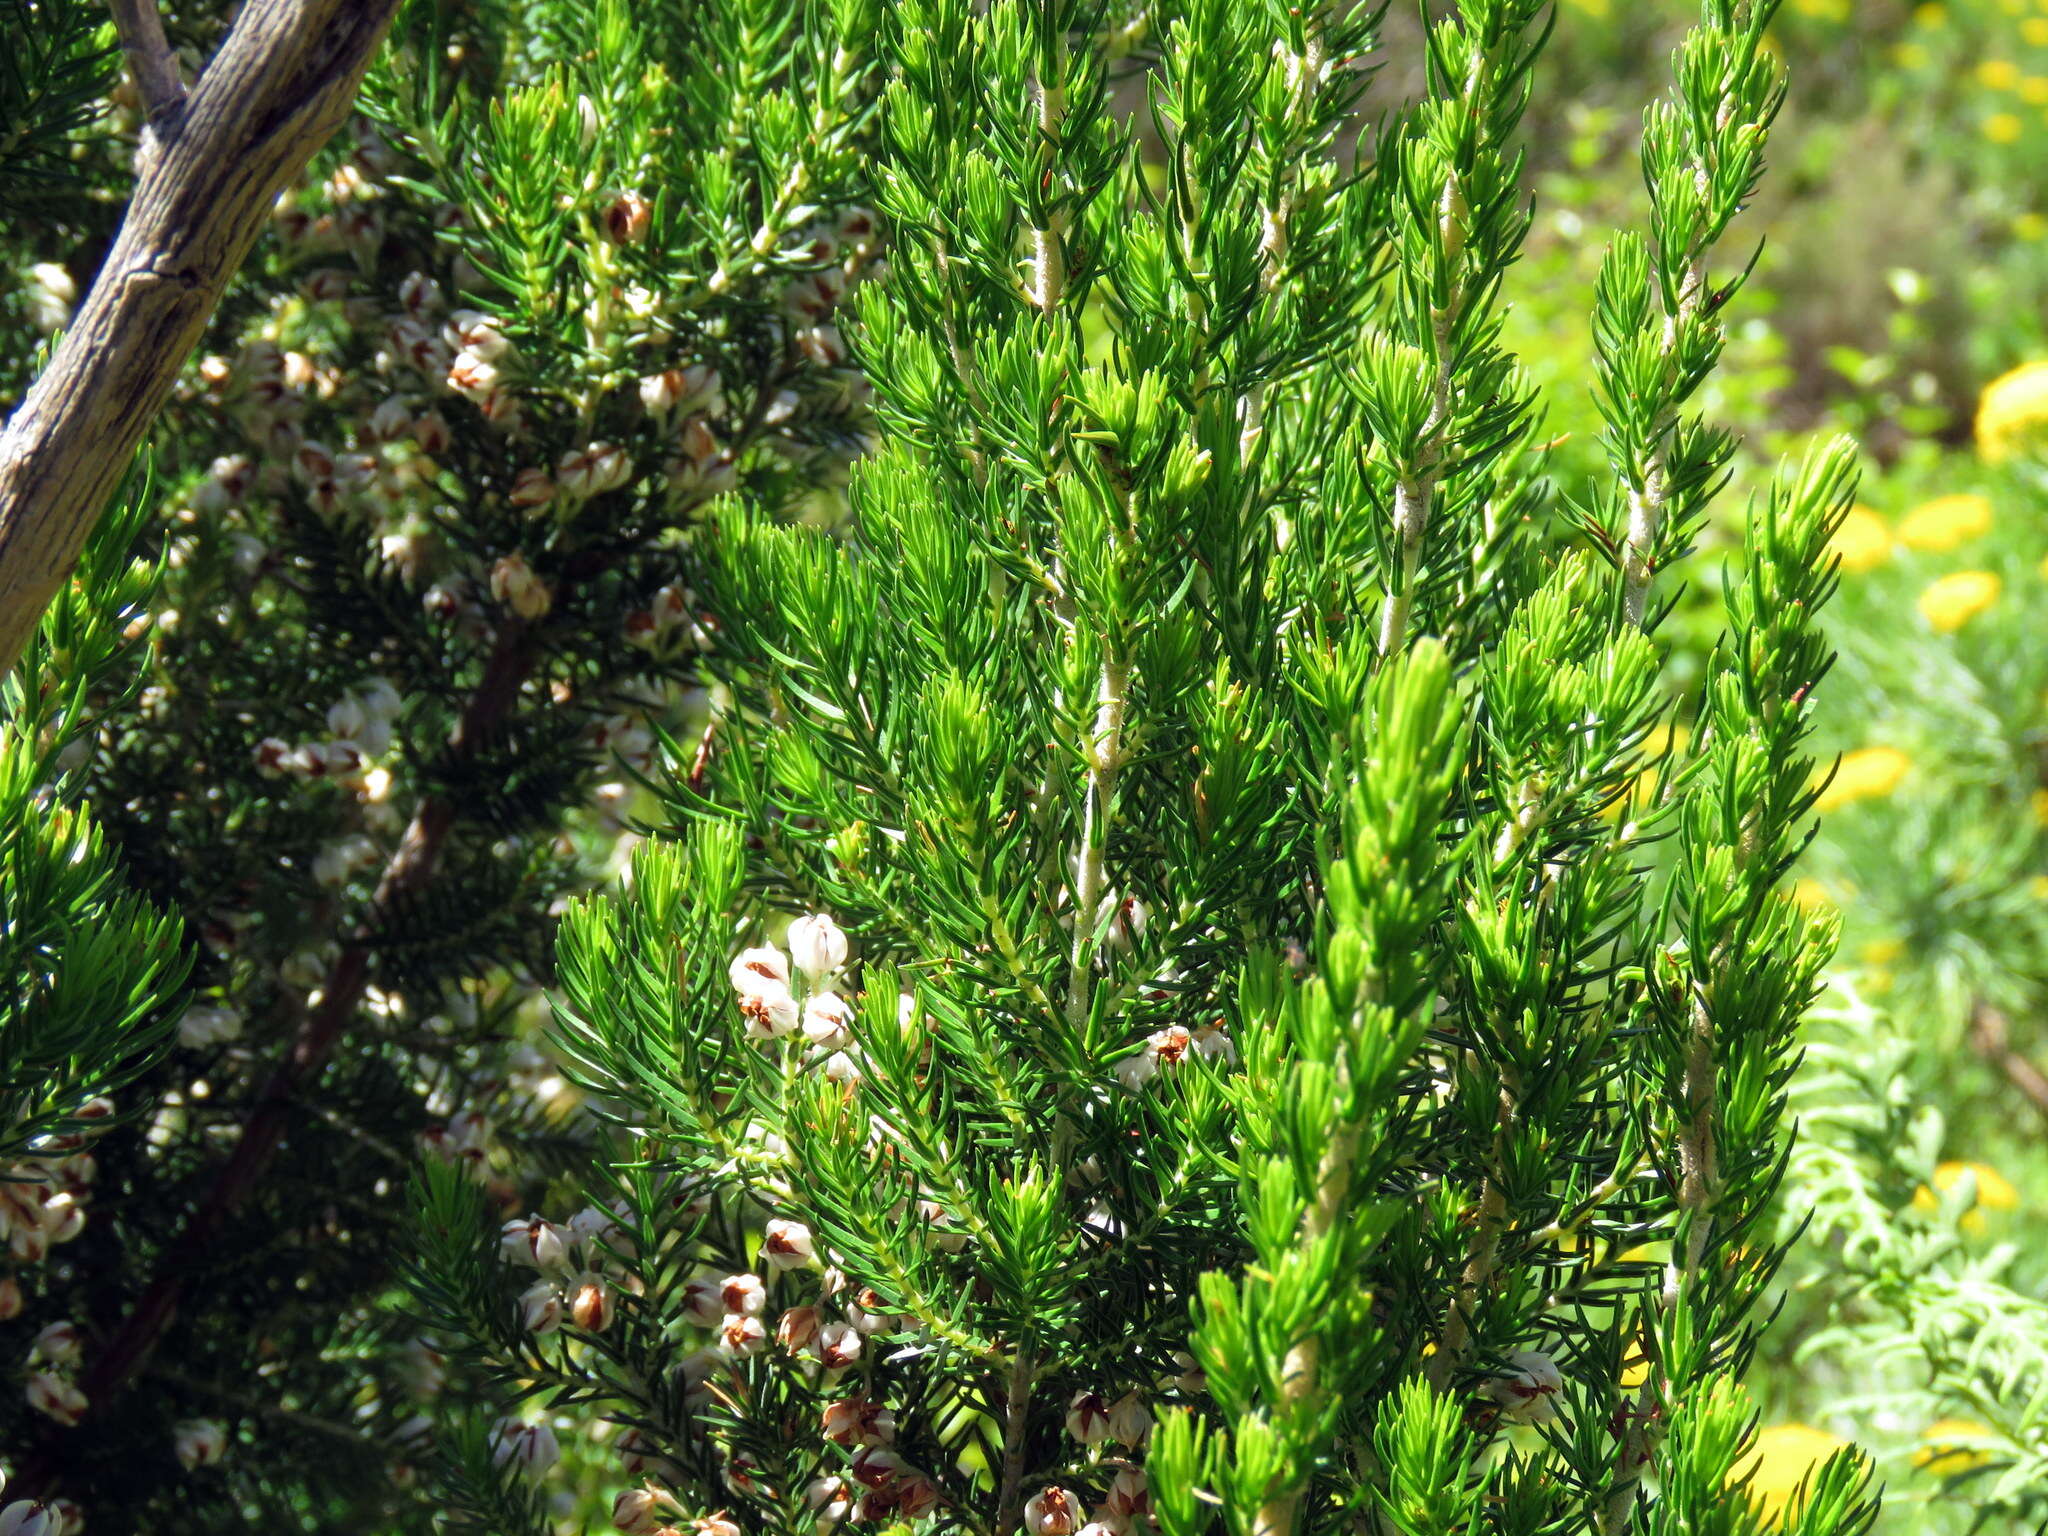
432,433
786,1244
70,1516
694,1371
59,1344
1130,1421
199,1443
313,463
272,757
1129,1497
627,219
29,1244
756,969
1165,1048
720,1523
419,294
391,421
532,490
471,376
743,1293
10,1298
822,345
916,1496
540,1307
1054,1512
534,1241
640,1455
530,1447
817,945
593,470
869,1311
1191,1378
1088,1417
659,392
638,1511
741,1336
826,1017
514,584
595,1225
1527,1391
859,1421
56,1396
30,1517
873,1467
830,1497
838,1346
325,285
770,1015
593,1304
797,1328
703,1305
474,332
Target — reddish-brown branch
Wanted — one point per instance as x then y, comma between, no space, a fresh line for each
114,1367
1990,1037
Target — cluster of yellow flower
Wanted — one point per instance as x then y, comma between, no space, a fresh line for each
2012,413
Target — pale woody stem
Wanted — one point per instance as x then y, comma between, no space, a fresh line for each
1105,756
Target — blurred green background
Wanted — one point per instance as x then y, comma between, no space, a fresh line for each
1901,242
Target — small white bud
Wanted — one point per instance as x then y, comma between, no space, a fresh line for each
59,1344
1088,1418
56,1396
540,1307
199,1443
531,1447
786,1245
838,1345
757,969
30,1517
1527,1390
817,945
826,1017
1054,1512
741,1335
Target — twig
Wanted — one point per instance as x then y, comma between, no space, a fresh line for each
151,61
214,163
1991,1039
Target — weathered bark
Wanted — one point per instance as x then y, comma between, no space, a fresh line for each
212,162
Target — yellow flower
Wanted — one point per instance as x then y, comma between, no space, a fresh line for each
2035,30
1930,14
1785,1454
2032,226
1998,74
2013,407
1809,895
1994,1192
1635,1365
1909,56
1946,521
1953,600
1868,773
1862,541
2003,128
1940,1454
1882,951
2038,887
2039,800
